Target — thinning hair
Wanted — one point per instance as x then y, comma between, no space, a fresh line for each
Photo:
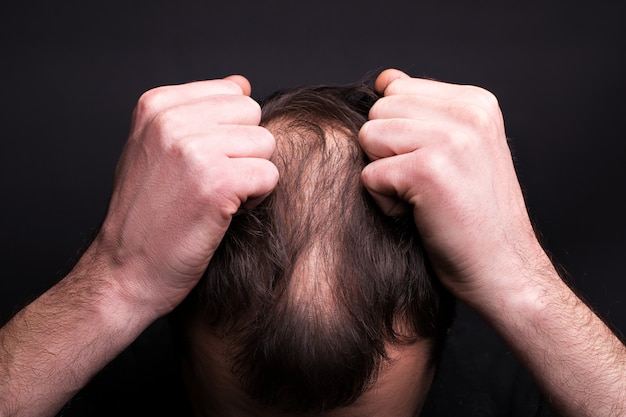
309,285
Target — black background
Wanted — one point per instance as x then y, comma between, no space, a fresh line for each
72,72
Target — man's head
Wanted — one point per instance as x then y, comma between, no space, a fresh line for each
310,291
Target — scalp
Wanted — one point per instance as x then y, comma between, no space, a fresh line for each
309,286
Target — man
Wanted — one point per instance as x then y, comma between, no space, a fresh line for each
315,300
196,156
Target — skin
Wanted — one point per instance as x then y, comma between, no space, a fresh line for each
440,150
399,391
403,381
196,155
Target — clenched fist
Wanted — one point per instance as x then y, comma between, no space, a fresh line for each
440,151
195,155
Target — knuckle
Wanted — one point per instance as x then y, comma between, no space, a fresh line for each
396,86
190,150
254,105
479,118
459,141
217,191
262,134
368,173
231,86
250,109
265,140
433,168
151,101
482,97
186,151
366,132
213,182
390,106
376,176
377,111
273,174
165,126
490,100
395,127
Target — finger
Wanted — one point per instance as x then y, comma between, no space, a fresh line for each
200,116
385,183
391,206
172,95
242,82
234,141
387,77
422,86
410,107
158,99
388,137
383,191
437,90
256,179
424,108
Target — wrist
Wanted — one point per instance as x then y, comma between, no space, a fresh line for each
517,281
103,284
57,343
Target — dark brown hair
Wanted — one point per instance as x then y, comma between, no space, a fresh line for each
310,284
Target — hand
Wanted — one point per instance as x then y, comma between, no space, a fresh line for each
195,155
441,151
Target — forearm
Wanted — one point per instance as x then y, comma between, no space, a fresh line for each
195,155
575,358
454,168
51,349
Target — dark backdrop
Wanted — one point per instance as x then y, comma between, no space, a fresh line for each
72,72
